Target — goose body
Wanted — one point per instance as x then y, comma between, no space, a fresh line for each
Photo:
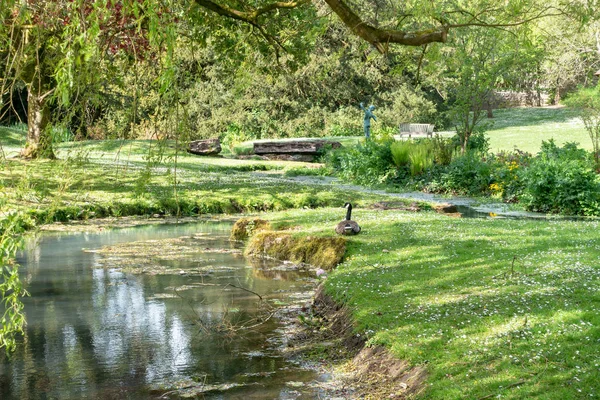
347,226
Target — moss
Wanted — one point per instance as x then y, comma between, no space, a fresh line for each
322,252
245,227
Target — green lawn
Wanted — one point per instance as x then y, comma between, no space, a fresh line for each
137,177
12,139
501,308
526,128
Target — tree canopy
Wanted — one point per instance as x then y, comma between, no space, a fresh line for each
72,54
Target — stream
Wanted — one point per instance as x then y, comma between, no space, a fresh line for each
97,332
467,207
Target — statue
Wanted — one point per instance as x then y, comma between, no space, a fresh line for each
367,119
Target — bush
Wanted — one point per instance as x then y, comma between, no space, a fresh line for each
562,180
467,174
368,164
443,149
506,169
478,142
421,157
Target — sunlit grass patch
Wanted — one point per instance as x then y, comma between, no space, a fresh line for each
526,128
500,308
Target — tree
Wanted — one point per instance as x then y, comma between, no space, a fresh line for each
587,101
477,64
48,41
53,47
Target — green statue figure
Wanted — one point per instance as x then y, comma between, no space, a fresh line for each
367,119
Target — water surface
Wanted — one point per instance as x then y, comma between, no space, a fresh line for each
96,332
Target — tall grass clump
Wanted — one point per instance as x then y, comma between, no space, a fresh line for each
421,157
401,153
443,149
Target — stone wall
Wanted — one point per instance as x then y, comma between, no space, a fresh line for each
507,99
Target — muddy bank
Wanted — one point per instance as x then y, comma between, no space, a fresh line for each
322,335
245,227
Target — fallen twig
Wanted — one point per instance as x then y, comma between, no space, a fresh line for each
512,385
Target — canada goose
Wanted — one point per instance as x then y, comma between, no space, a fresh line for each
347,226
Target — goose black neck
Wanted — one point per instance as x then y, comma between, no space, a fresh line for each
349,212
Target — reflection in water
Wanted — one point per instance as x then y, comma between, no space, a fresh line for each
99,333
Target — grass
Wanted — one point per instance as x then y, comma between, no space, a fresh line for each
12,139
492,308
114,178
526,128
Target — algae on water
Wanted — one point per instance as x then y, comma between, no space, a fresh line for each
162,256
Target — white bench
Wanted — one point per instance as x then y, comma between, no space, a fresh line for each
416,130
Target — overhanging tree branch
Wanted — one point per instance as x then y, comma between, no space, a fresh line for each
381,38
251,16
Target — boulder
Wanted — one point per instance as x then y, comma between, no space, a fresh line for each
207,147
305,147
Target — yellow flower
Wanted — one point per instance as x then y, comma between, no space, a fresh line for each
494,187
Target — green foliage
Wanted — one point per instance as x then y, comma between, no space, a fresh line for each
562,180
369,163
421,157
11,287
60,134
587,101
467,174
478,141
443,149
506,170
304,171
480,61
401,153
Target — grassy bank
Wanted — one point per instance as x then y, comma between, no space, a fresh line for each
526,128
492,308
117,178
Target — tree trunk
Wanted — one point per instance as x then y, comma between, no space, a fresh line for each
39,142
557,93
463,143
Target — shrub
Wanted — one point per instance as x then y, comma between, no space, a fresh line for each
368,164
467,174
506,169
443,149
478,142
562,180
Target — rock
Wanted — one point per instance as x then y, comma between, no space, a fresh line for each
208,147
307,147
446,208
290,157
